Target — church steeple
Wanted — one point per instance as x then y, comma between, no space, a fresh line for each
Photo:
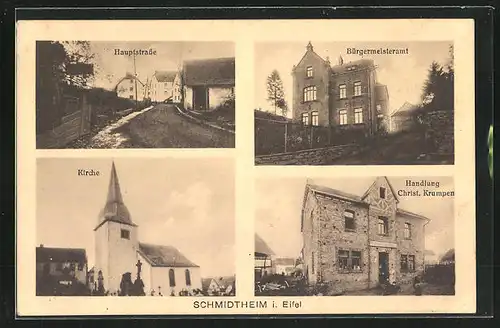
309,46
341,60
114,209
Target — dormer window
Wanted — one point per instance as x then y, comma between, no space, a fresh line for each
382,192
309,71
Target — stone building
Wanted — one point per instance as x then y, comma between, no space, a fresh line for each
356,242
118,251
346,95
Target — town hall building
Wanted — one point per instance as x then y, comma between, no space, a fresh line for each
358,242
347,96
118,251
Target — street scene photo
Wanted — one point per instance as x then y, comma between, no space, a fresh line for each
354,103
96,94
135,227
355,236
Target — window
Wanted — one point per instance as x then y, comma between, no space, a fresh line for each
305,118
125,234
383,225
349,221
379,108
131,88
309,71
404,263
407,230
357,88
171,277
315,118
407,263
310,93
131,97
342,91
411,263
382,192
349,261
358,115
343,260
343,117
312,262
188,277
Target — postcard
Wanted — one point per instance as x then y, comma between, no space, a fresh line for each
245,167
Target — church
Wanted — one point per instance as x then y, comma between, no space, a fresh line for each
163,269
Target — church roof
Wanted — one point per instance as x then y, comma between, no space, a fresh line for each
114,209
261,246
164,256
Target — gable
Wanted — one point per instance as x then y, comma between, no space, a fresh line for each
310,58
386,204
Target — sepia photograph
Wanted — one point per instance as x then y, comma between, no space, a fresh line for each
354,103
135,227
96,94
355,236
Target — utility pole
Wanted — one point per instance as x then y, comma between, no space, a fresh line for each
135,82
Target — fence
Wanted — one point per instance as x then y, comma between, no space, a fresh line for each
75,112
273,136
443,274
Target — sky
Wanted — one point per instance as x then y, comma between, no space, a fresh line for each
279,205
184,203
111,68
404,75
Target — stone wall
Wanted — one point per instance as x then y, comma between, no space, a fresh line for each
318,156
334,237
440,130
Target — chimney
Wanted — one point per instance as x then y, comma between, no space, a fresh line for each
41,245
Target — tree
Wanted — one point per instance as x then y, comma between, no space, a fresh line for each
275,92
77,53
438,89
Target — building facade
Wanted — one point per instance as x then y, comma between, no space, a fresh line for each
346,95
208,83
126,88
358,242
118,251
165,85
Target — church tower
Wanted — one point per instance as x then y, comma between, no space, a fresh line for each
116,240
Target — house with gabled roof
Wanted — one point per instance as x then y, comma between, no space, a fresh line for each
358,242
404,118
163,268
208,83
166,86
129,87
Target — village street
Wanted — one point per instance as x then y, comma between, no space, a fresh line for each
159,126
403,149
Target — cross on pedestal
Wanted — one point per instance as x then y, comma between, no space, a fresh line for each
138,265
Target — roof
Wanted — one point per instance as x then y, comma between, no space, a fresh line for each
390,186
165,76
218,71
310,50
52,254
127,77
335,193
414,215
405,110
363,63
164,256
114,209
284,261
225,281
261,246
